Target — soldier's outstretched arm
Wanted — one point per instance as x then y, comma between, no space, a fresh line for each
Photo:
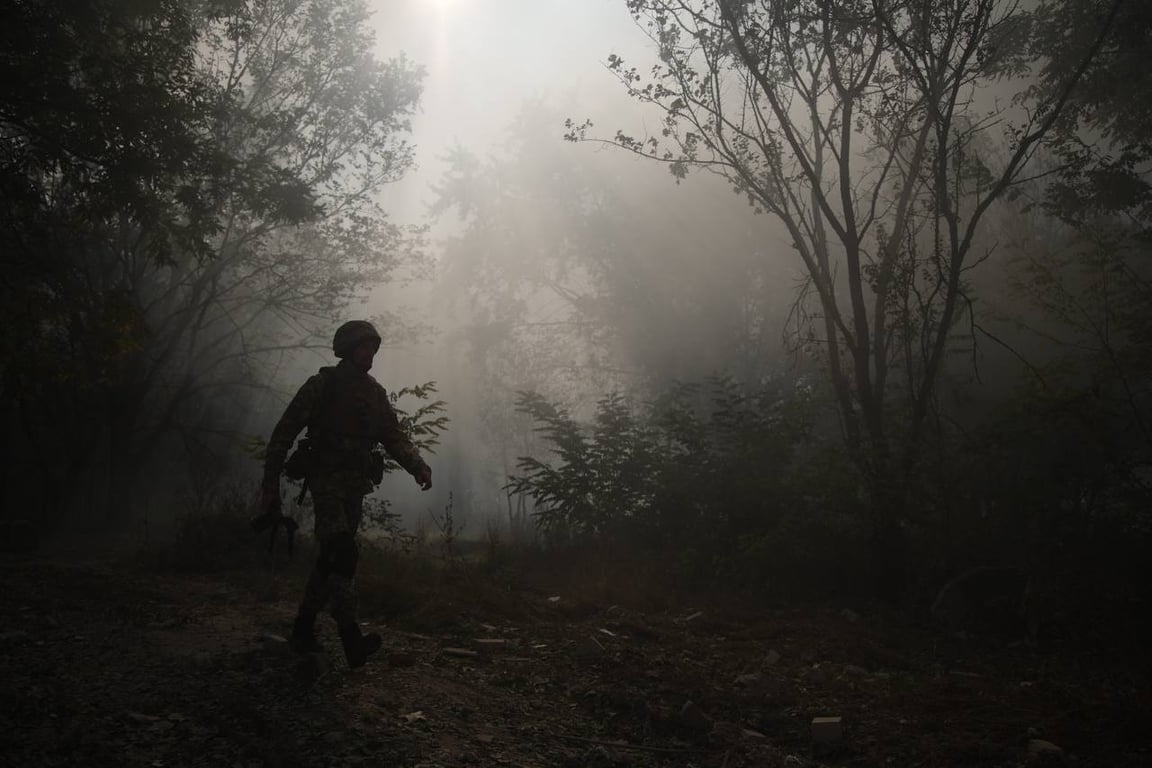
294,419
400,448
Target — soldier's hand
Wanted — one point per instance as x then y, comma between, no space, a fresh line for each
424,478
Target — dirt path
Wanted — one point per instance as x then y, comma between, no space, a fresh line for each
110,665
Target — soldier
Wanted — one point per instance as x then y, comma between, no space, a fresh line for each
347,413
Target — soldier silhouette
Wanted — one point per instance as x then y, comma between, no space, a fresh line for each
347,414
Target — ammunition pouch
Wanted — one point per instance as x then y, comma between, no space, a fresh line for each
323,455
302,461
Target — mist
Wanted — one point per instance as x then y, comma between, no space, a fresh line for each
740,370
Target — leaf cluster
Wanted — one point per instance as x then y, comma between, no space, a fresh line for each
425,423
703,461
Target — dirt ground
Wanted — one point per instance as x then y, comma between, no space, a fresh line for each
108,663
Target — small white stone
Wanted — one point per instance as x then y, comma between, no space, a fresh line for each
827,731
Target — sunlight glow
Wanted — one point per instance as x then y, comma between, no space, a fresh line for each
443,7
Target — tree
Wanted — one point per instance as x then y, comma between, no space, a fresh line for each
1098,284
858,125
189,196
571,273
1082,270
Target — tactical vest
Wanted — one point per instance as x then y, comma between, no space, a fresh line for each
346,416
343,429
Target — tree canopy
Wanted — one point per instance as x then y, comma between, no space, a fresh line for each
189,192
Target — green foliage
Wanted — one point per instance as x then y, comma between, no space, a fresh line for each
425,424
450,527
855,125
701,468
603,475
381,520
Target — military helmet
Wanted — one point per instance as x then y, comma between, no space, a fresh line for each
352,333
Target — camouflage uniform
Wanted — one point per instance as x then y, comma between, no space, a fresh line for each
347,413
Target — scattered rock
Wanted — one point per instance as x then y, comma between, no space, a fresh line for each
518,708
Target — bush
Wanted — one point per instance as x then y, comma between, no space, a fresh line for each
725,482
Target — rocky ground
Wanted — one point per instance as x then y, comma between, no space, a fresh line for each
115,664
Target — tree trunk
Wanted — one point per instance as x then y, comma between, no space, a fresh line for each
888,542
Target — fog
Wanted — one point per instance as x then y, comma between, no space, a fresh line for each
782,370
483,60
526,262
684,242
501,78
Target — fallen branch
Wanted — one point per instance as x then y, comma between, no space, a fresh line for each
411,635
462,653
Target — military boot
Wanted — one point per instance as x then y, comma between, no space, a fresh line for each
357,647
303,638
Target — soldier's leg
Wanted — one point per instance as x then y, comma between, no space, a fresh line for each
342,586
314,600
345,558
343,555
328,512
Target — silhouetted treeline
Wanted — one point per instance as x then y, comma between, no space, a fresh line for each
187,196
978,300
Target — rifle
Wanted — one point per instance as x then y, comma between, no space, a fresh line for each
275,519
